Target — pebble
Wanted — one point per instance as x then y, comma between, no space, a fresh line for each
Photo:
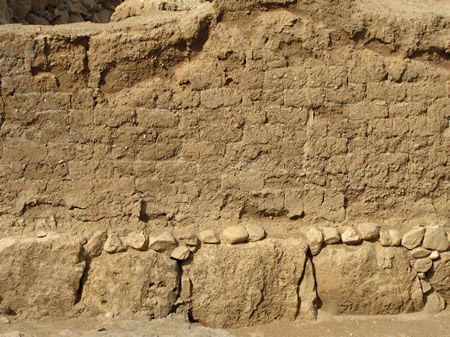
350,237
368,231
395,237
190,239
209,236
181,253
434,255
423,265
413,238
164,242
235,234
315,240
255,232
385,239
419,252
436,239
331,235
41,234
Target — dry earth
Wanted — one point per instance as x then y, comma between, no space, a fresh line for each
405,325
324,125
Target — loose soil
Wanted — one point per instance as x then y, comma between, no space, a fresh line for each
404,325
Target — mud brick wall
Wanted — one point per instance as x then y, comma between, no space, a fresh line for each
202,119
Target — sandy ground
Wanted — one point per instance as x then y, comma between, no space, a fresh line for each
405,325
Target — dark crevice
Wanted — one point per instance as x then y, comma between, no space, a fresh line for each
359,36
271,6
434,55
317,303
202,36
318,300
84,276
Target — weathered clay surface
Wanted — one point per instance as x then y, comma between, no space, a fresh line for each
40,276
366,279
440,276
187,119
247,284
131,282
187,116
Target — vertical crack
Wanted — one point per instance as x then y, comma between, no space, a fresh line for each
83,278
308,300
308,138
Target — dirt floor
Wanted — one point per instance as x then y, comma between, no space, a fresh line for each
405,325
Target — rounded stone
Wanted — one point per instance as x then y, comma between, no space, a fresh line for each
235,234
331,235
395,237
413,238
419,252
315,240
435,239
255,232
209,236
423,265
350,237
368,231
181,253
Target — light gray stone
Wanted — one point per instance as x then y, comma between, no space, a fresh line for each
41,234
315,240
113,244
423,265
422,276
135,239
426,286
164,242
349,236
395,237
434,255
413,238
331,235
190,240
368,231
385,239
181,253
235,234
436,239
209,236
419,252
255,232
94,246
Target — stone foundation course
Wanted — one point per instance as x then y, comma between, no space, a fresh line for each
222,284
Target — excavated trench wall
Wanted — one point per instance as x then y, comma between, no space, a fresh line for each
281,113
